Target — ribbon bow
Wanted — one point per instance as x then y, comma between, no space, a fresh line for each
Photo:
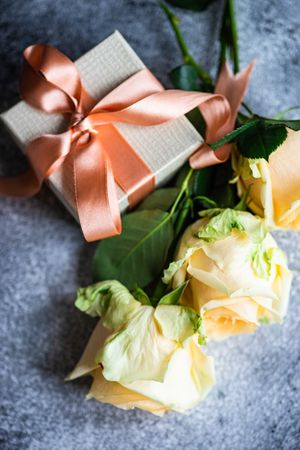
92,148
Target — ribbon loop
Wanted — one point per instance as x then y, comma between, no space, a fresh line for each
51,82
99,155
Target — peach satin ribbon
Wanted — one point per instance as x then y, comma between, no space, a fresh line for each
99,154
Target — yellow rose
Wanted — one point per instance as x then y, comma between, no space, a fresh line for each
238,276
141,356
275,185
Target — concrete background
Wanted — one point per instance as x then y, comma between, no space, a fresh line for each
255,404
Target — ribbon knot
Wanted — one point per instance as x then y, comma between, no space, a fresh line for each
50,82
76,119
81,129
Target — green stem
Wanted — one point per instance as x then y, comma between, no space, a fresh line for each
248,109
223,37
161,288
183,190
281,114
229,36
174,21
182,216
234,34
187,57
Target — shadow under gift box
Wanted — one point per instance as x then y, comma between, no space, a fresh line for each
163,147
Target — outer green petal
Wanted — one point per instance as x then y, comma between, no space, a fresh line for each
176,322
222,225
138,351
108,299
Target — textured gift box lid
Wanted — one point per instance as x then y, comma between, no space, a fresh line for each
163,147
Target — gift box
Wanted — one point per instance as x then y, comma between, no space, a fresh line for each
164,147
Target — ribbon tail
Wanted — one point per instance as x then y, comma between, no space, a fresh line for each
45,155
95,191
25,185
233,87
48,152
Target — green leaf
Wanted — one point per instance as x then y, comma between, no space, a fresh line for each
232,135
138,255
261,140
292,124
193,5
141,296
173,297
160,199
185,77
203,181
259,137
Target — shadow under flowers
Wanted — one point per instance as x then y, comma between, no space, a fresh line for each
68,331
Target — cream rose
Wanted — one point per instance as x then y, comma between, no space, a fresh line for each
141,356
275,185
238,276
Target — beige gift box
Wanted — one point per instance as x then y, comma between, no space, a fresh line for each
163,147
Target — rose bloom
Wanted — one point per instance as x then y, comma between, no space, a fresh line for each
275,185
238,276
141,356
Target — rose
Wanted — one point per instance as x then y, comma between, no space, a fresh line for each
275,185
141,356
238,276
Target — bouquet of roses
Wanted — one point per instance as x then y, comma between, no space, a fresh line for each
196,261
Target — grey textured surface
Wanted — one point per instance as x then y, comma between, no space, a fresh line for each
256,403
